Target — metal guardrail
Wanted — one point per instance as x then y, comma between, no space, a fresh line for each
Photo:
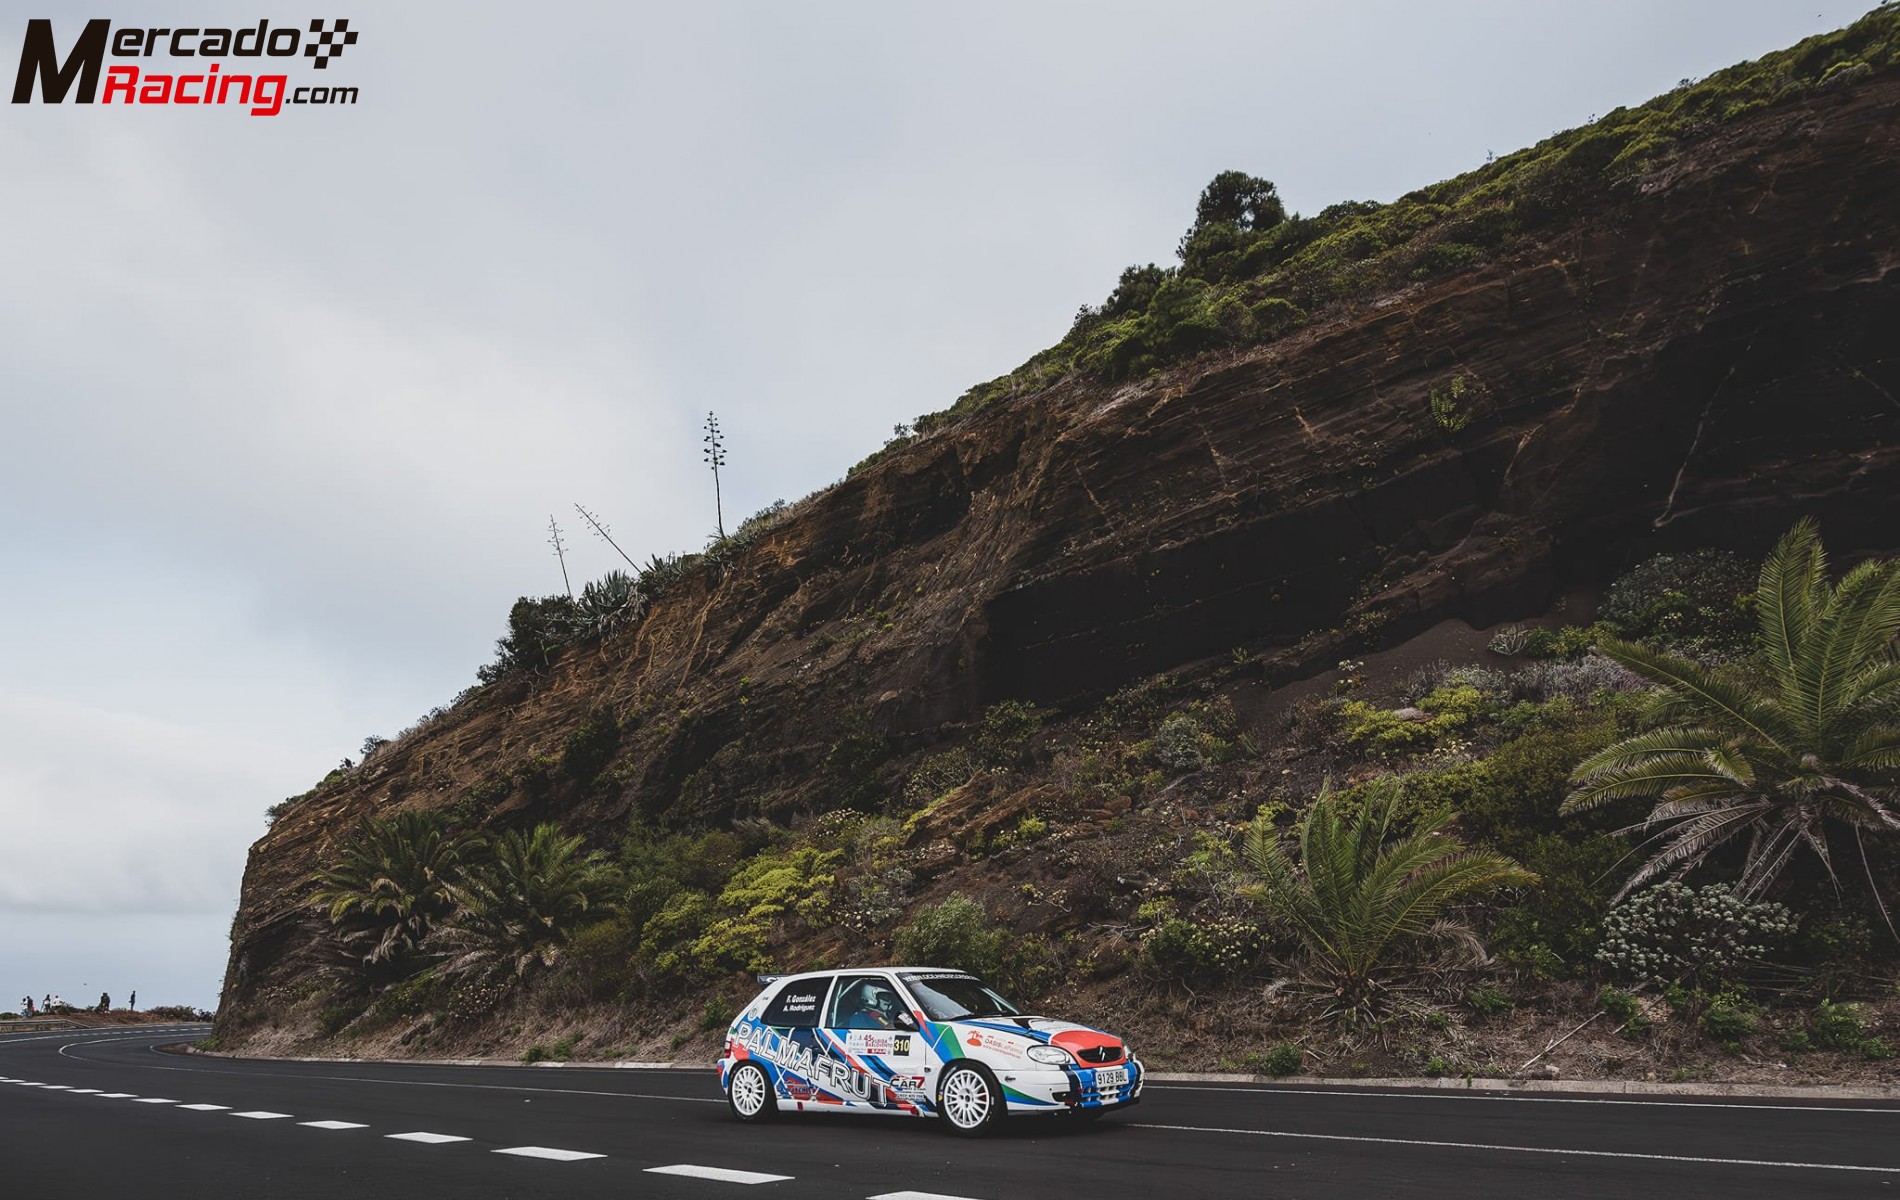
29,1024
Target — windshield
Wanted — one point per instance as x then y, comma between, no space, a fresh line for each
947,997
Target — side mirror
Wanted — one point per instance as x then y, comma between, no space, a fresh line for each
906,1021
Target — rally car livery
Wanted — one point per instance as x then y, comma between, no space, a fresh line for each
915,1041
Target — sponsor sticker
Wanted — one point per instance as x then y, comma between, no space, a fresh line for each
877,1043
1005,1046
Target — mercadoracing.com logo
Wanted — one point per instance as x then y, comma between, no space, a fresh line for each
264,94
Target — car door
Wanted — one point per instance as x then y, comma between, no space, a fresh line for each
870,1030
792,1041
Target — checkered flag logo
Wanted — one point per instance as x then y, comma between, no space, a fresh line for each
328,43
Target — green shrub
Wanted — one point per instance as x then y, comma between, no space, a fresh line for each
1384,730
1007,728
766,888
1841,1027
537,630
600,956
333,1018
1283,1060
955,934
717,1014
937,775
1565,643
1697,602
589,747
1488,1001
1622,1008
1729,1019
958,933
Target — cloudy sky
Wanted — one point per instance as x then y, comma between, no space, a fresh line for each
288,400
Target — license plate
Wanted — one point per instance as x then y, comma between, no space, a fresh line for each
1110,1077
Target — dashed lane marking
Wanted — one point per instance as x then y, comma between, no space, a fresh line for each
118,1095
153,1100
32,1085
57,1087
262,1115
430,1139
722,1174
206,1107
332,1125
917,1196
549,1152
1628,1154
87,1091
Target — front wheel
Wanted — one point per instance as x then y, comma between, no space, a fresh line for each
968,1101
749,1093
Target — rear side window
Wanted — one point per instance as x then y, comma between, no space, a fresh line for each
798,1003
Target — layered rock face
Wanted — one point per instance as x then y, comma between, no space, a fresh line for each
1693,361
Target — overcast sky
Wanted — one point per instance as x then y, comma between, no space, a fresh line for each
288,400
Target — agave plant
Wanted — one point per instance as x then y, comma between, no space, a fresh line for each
1802,739
392,888
518,907
608,601
1368,896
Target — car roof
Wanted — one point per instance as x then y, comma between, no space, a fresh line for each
830,972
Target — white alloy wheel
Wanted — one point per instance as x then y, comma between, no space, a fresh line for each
749,1093
967,1100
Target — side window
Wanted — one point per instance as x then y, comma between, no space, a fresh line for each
864,1002
797,1004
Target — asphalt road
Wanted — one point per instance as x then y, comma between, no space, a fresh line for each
103,1114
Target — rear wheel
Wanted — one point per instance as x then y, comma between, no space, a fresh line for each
749,1093
968,1101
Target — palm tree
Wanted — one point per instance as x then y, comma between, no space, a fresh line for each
518,908
1367,897
1805,737
391,889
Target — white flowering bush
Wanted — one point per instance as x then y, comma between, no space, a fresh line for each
1188,951
1674,933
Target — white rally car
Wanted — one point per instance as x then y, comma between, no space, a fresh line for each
915,1041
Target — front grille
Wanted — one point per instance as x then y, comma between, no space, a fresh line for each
1101,1054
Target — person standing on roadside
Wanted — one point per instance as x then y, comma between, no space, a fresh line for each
133,1003
105,1002
26,1003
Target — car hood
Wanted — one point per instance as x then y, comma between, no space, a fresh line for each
1011,1037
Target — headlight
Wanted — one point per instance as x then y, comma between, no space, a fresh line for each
1053,1055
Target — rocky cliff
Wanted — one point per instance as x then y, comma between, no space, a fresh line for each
1692,357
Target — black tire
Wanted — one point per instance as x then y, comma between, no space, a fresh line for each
750,1094
969,1103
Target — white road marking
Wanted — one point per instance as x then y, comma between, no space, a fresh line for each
917,1196
206,1107
118,1096
262,1115
153,1100
32,1085
722,1174
547,1152
432,1139
1516,1098
57,1087
1382,1141
332,1125
86,1091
